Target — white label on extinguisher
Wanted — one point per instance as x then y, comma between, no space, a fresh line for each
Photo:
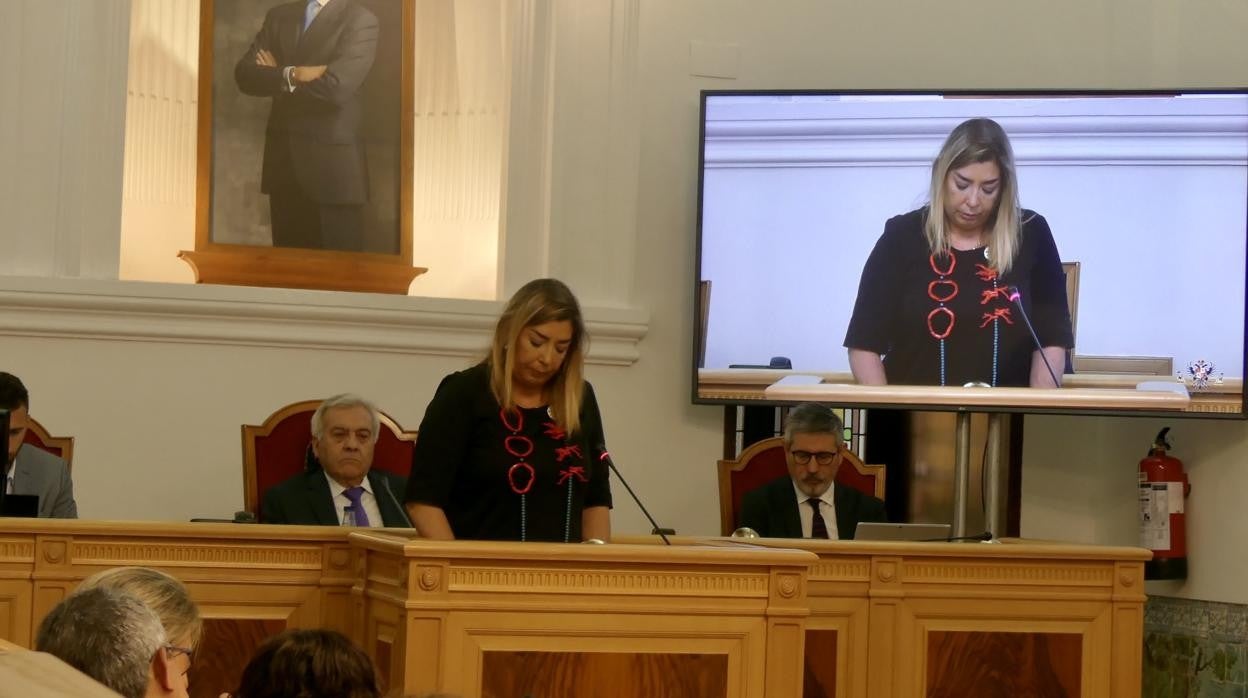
1155,516
1176,497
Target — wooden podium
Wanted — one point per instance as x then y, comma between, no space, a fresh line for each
702,618
500,620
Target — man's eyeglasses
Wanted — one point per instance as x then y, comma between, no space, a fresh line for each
822,457
174,651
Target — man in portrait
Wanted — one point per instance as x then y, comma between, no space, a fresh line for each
311,57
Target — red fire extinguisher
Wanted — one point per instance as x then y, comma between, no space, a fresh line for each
1163,524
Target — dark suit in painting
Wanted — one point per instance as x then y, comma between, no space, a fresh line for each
315,171
305,499
771,510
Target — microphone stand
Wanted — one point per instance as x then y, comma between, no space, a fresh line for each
385,483
1018,302
606,458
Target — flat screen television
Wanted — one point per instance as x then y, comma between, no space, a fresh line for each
1145,195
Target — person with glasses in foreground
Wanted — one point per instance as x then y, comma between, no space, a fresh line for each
808,503
112,636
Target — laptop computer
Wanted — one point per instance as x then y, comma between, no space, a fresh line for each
870,530
23,505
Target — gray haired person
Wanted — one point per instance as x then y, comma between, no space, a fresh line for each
114,638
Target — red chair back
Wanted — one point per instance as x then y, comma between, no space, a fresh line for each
60,446
763,462
278,449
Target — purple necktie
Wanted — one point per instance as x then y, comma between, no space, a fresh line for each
361,516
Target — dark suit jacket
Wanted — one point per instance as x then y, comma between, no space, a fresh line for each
771,510
41,473
305,499
318,124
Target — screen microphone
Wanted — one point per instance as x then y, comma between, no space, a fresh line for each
1011,292
605,457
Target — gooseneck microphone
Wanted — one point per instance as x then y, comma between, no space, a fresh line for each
385,484
606,458
1017,299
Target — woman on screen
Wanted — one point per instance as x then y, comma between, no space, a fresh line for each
938,303
512,448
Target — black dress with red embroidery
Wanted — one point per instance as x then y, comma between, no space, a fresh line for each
908,301
473,461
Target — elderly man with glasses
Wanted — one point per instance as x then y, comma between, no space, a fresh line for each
809,503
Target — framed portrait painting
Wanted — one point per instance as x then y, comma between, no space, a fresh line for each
305,145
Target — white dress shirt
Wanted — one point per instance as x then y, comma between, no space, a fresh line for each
368,500
807,514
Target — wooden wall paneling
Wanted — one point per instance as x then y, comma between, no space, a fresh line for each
1003,663
604,675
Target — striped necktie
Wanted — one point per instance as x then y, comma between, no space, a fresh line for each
818,528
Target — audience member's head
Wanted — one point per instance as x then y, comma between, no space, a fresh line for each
812,447
163,594
113,637
344,434
308,664
16,399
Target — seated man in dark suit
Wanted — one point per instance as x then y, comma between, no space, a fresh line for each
30,469
807,503
345,490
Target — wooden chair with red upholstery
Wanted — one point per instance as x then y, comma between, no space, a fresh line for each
59,446
763,462
279,449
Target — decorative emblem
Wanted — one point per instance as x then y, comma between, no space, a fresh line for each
1200,375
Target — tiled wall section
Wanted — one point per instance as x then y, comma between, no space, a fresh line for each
1195,648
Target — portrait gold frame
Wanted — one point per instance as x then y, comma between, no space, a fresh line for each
252,265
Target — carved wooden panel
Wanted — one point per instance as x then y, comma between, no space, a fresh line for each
603,675
227,646
1003,664
819,667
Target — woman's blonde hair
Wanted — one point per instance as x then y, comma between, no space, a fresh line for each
160,592
974,141
538,302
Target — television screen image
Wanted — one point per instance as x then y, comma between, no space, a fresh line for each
1092,240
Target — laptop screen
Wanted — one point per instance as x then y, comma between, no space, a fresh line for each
23,505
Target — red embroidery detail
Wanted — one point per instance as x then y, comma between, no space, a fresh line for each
575,470
562,452
502,414
522,468
998,314
523,447
985,272
940,311
988,295
953,262
554,432
949,284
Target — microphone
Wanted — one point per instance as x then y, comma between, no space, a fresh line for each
606,458
1017,299
385,484
985,536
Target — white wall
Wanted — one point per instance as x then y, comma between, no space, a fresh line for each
157,419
